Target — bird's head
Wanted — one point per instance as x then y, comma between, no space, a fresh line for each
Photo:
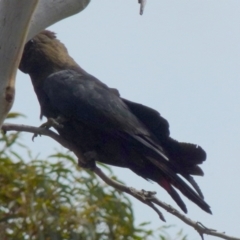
44,53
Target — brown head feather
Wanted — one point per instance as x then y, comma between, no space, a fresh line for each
44,54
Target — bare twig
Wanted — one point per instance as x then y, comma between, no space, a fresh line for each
145,197
130,191
142,5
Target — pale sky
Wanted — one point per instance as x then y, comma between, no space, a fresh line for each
181,58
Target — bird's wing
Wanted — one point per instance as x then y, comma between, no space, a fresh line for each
184,156
150,118
86,99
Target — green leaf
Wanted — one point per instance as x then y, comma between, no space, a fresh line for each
12,115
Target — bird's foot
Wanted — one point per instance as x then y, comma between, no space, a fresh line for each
89,160
51,122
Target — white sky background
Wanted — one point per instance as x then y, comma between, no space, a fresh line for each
181,58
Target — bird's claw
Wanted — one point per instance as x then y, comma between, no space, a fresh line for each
35,135
51,122
89,160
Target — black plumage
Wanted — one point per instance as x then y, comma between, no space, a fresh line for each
96,119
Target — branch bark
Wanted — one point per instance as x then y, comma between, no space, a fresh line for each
145,197
20,21
14,25
49,12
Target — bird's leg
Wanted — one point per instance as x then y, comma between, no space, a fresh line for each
51,122
54,122
89,160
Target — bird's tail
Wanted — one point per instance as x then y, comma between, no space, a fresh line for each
168,179
185,159
185,156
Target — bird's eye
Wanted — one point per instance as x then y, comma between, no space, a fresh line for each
30,43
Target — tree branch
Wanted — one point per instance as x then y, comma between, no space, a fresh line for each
49,12
142,6
145,197
20,21
15,19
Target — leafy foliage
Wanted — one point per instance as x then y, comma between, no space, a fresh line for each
53,199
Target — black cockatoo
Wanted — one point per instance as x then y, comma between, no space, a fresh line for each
95,119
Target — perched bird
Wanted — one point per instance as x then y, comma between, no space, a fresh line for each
95,119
